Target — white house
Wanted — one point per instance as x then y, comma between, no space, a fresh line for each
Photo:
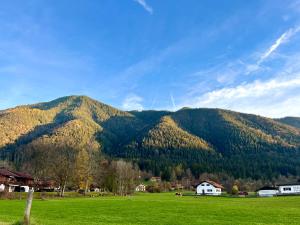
286,189
267,191
140,188
208,187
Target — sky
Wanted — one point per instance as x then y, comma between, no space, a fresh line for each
153,54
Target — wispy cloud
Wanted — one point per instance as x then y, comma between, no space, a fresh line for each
133,102
285,37
234,71
173,101
144,4
275,97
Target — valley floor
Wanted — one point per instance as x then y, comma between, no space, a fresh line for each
155,209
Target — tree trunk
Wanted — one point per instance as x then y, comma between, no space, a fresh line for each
86,187
63,190
28,207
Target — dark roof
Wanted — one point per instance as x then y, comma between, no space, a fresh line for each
267,188
215,184
24,175
7,173
289,184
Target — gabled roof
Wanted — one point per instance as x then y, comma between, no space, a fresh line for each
265,188
7,173
24,175
215,184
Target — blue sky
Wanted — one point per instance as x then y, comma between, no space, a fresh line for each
153,54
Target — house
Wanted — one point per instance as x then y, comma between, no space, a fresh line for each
155,179
289,189
140,188
45,185
208,187
267,191
15,181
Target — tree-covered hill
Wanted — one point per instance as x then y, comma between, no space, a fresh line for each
203,140
292,121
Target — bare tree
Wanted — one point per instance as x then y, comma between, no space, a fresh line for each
62,166
126,177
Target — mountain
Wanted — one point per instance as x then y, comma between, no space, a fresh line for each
292,121
203,140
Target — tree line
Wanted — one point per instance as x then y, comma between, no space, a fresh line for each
74,168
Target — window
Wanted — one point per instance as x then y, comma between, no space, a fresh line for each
207,184
209,190
202,184
287,189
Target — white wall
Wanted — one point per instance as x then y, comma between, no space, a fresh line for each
2,187
208,189
289,189
26,188
141,188
267,193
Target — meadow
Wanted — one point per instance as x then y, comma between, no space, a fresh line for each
155,209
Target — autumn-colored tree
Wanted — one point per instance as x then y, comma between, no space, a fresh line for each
86,166
235,190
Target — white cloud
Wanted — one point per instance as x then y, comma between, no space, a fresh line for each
282,39
276,97
144,4
133,102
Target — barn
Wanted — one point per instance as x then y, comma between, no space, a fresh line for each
208,187
267,191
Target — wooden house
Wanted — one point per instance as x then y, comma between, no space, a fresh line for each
11,180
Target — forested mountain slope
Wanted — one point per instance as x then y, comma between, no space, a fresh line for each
292,121
204,140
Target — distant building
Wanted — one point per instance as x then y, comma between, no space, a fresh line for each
15,181
155,179
140,188
208,187
281,189
289,189
45,185
267,191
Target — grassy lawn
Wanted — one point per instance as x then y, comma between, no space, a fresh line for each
156,209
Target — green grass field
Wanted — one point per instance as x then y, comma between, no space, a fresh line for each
156,209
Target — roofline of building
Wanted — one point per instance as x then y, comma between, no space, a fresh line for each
291,184
210,182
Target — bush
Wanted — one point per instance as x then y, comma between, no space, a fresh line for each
234,190
153,189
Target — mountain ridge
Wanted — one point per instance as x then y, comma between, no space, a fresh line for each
203,139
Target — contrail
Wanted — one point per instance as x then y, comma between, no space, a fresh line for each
173,101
